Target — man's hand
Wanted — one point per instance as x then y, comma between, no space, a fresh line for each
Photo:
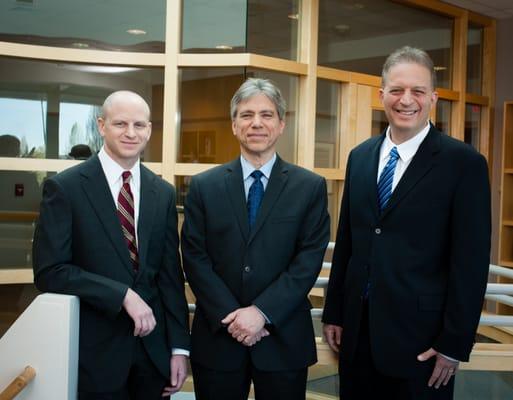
444,368
178,374
333,335
252,340
140,312
244,322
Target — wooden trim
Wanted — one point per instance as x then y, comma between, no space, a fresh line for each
459,75
490,357
333,74
376,103
212,60
36,52
480,19
334,174
279,64
436,6
190,169
18,216
348,121
488,90
308,85
16,275
476,99
364,79
364,114
448,94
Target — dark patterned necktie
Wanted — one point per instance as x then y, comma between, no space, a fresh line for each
386,178
126,217
255,195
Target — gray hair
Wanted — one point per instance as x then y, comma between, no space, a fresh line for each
254,86
410,55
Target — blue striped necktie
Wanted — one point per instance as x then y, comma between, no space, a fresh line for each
386,178
255,195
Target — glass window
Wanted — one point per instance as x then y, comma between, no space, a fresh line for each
333,206
379,122
443,116
327,124
359,36
49,107
268,27
473,124
14,299
474,58
205,125
128,25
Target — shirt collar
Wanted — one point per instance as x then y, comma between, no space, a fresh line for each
113,170
248,168
406,149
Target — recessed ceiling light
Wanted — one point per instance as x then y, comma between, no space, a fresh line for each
136,32
439,68
224,47
293,16
80,45
342,28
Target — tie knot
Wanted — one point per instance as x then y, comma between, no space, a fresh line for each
256,174
126,176
393,153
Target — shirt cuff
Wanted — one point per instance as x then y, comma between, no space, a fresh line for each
180,352
449,358
267,320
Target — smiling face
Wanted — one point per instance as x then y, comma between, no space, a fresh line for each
125,127
257,126
408,98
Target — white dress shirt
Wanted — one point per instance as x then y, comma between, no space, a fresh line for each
248,168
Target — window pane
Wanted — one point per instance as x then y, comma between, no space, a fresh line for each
268,27
327,124
205,125
474,59
379,122
359,36
443,116
473,124
126,25
49,107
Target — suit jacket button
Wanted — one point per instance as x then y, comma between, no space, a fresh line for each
247,268
378,231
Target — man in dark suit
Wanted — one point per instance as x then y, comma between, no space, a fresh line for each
107,233
251,265
411,258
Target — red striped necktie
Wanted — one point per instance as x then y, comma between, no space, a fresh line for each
126,217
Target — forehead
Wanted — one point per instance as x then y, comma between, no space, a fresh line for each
129,108
256,103
409,73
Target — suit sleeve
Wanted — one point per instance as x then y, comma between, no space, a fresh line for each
212,294
170,282
333,304
470,226
283,297
54,270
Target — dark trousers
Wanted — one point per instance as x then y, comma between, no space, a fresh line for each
234,385
360,380
144,381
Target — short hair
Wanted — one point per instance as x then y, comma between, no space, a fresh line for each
10,146
254,86
410,55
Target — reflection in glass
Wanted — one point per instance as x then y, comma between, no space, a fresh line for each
379,122
358,36
268,27
473,125
326,124
130,25
51,107
14,299
474,58
205,125
443,116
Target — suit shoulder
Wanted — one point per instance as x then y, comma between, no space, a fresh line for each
302,173
213,173
71,175
460,151
366,145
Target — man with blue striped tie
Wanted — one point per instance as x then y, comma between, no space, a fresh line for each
411,258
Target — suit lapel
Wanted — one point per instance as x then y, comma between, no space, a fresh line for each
276,183
99,196
235,189
147,210
421,163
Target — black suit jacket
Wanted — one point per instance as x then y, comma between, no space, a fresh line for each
273,267
79,249
426,256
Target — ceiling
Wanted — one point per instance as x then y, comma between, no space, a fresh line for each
500,9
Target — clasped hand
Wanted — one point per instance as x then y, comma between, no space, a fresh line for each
246,325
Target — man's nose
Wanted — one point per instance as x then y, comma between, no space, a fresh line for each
406,98
257,121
